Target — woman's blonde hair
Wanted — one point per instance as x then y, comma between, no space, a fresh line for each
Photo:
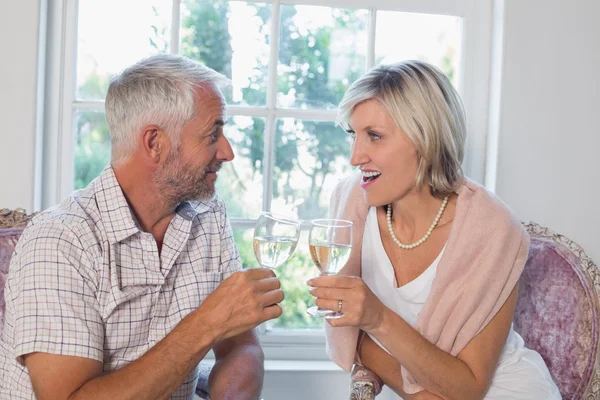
426,107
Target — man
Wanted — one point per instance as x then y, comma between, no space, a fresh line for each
121,290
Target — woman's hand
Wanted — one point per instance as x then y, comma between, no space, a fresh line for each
361,308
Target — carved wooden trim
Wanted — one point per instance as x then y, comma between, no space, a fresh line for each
592,391
17,218
362,390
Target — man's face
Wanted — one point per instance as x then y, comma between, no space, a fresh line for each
190,169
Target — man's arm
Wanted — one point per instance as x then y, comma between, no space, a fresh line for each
238,371
239,304
155,375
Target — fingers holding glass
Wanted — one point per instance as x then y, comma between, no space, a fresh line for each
330,243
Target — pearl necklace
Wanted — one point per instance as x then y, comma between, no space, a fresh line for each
424,238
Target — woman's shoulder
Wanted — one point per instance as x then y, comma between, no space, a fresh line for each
487,230
480,206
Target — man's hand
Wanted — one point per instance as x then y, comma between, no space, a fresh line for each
241,302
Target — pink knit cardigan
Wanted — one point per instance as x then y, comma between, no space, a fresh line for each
485,254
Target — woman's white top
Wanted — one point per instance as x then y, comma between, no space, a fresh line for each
521,373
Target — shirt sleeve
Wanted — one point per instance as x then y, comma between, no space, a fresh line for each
230,257
52,296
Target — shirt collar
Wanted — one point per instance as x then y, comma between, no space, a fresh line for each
119,222
190,209
114,209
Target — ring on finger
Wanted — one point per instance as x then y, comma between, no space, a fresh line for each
340,303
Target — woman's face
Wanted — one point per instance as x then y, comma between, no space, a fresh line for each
387,158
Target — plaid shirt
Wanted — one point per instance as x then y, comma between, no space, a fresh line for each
86,281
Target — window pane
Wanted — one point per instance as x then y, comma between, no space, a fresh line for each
310,158
232,37
92,146
432,38
243,241
321,51
293,276
113,34
240,181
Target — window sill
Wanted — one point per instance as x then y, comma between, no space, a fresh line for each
295,366
292,351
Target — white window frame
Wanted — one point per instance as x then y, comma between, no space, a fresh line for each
61,107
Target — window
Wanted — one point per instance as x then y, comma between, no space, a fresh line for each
290,63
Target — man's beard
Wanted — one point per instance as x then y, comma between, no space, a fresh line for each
177,182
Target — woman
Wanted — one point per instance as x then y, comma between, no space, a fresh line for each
429,292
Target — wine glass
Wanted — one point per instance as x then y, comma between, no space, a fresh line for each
275,239
330,243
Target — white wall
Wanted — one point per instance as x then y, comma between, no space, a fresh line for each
549,140
19,38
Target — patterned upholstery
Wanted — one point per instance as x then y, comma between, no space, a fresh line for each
557,314
8,240
12,224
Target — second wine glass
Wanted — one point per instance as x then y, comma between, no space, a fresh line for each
275,239
330,242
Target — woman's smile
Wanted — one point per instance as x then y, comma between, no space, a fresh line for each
369,177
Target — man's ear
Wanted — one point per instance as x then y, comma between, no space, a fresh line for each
155,143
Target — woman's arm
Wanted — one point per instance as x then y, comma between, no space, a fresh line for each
464,377
387,368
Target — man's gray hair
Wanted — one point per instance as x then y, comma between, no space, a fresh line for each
158,90
426,108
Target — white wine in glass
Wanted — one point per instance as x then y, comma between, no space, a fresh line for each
330,243
275,239
329,258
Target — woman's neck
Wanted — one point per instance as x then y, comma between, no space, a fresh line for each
414,213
